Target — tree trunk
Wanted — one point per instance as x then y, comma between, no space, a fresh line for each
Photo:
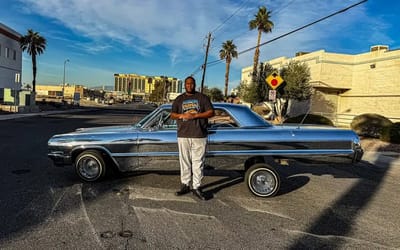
256,54
228,62
34,69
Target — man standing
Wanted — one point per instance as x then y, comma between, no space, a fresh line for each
192,110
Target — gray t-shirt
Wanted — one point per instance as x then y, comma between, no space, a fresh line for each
196,103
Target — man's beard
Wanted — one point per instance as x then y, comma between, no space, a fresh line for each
191,92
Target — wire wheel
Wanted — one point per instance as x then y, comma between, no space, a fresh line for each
262,180
90,166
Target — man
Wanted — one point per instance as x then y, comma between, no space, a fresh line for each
192,110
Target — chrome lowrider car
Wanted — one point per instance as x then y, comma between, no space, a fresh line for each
237,137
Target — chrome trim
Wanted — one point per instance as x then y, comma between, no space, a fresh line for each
145,154
282,152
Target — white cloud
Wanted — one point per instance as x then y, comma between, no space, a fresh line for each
140,24
180,26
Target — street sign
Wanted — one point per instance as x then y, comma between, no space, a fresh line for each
272,95
274,80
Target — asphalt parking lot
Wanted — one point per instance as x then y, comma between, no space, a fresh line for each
319,205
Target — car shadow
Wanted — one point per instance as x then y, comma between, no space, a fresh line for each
331,222
292,177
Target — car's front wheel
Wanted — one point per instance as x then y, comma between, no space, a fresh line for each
262,180
90,166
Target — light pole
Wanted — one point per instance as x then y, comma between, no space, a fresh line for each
63,86
17,80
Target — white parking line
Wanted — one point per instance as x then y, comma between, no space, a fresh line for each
157,194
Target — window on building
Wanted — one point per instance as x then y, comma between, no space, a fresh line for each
0,49
14,54
7,53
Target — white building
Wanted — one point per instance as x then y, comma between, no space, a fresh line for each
10,58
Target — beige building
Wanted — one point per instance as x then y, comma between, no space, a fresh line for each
349,85
56,92
141,85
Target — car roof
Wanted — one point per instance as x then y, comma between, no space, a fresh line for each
240,112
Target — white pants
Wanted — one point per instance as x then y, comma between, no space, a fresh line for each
191,158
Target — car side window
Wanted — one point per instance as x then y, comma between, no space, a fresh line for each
169,123
221,119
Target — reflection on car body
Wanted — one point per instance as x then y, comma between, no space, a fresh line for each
237,137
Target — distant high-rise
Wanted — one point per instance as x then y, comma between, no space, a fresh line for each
143,86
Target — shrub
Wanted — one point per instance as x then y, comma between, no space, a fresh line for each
310,119
370,125
391,133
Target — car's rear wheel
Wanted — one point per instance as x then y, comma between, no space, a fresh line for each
262,180
90,166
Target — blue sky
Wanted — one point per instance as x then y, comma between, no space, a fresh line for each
157,37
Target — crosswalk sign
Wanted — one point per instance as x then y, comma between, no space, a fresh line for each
274,80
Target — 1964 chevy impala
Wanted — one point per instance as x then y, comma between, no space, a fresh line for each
236,137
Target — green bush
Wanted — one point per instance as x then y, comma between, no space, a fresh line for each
310,119
391,133
370,125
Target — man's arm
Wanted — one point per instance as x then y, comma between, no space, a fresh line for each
176,116
189,116
209,113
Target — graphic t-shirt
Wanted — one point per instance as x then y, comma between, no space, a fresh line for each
191,106
196,103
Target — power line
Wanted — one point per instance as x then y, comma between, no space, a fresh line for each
234,13
293,31
282,8
274,12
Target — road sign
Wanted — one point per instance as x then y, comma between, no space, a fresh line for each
274,80
272,95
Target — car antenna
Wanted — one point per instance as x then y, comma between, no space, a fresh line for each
304,118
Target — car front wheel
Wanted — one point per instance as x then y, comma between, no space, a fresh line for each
262,180
90,166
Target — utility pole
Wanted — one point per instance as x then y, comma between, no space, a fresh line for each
205,62
63,86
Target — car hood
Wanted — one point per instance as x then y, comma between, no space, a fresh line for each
95,135
105,129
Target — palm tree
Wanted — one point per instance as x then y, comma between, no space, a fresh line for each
228,52
34,44
262,23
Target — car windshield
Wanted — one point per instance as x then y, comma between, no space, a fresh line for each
145,119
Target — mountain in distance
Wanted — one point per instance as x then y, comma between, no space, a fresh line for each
104,87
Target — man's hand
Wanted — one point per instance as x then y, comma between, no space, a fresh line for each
187,116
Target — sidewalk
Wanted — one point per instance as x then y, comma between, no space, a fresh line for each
382,160
42,113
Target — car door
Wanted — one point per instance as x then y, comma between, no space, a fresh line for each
224,141
157,144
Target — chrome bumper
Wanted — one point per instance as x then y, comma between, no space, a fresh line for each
59,158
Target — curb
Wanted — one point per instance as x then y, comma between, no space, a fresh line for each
382,160
17,116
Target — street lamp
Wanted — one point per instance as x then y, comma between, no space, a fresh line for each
63,86
17,81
